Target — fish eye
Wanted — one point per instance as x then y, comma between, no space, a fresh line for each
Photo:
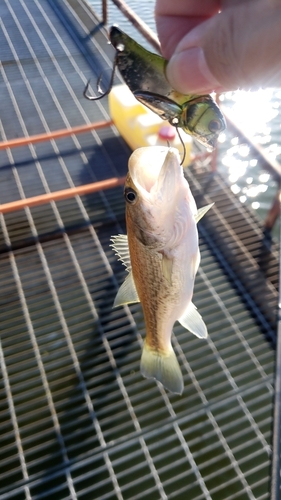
215,126
130,195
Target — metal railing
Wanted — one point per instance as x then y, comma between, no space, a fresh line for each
136,21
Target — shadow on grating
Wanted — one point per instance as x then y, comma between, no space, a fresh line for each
77,420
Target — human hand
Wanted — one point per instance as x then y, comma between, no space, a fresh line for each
240,47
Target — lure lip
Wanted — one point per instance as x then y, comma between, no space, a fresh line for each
210,144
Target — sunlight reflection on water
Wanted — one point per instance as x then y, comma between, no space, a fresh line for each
253,111
258,115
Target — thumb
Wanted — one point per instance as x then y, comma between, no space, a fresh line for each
238,48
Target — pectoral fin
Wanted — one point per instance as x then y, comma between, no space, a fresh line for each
195,261
202,211
167,267
127,293
192,321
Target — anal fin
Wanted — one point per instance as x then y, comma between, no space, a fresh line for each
192,321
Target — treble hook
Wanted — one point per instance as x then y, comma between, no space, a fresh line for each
103,94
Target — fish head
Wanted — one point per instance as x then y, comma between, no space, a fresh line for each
157,196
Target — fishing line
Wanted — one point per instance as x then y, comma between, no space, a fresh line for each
276,434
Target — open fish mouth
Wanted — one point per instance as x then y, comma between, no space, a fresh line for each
156,171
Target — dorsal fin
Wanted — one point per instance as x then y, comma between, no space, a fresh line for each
127,293
121,248
202,211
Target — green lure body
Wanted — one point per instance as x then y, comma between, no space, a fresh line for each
144,73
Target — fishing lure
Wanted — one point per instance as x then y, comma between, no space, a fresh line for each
144,73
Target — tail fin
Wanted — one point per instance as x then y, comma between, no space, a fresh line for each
162,367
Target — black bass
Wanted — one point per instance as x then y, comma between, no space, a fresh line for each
161,255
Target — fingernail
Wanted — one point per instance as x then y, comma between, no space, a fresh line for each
187,72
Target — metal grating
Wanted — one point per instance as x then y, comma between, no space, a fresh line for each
77,420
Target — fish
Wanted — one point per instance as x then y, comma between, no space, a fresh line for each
161,255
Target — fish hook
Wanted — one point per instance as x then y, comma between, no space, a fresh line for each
103,94
183,145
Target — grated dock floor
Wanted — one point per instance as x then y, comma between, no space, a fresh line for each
77,420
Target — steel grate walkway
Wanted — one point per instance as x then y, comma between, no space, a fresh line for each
77,420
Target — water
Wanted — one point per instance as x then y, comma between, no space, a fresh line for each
258,113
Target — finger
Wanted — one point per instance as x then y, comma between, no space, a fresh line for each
238,48
176,18
171,30
186,8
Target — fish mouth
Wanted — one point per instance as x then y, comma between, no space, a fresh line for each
155,171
